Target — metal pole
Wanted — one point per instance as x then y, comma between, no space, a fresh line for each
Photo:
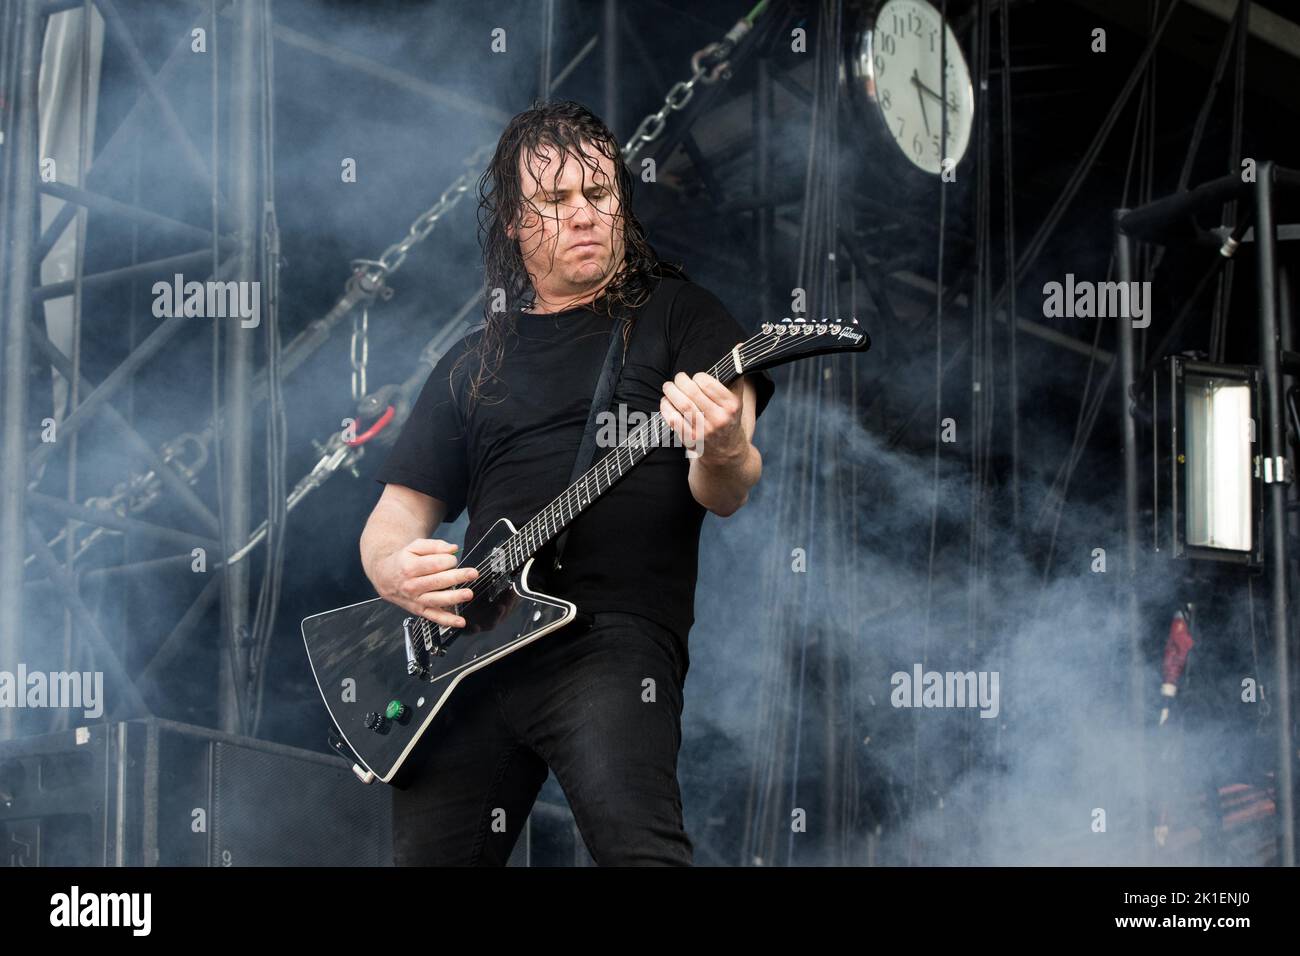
127,132
433,92
762,120
174,643
164,111
548,32
19,236
1276,450
112,207
138,270
609,37
168,475
101,518
245,101
149,568
91,403
65,587
1286,321
1137,696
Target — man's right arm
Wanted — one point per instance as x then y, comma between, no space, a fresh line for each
406,567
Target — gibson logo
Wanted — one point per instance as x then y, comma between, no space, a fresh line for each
847,333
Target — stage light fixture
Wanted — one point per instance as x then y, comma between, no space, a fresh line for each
1216,481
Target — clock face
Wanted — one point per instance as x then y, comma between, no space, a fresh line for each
902,65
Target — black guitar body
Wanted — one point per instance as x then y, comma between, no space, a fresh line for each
367,656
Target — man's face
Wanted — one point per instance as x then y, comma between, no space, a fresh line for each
571,230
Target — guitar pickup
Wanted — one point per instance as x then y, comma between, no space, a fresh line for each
414,666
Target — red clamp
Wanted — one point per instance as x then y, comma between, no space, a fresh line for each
380,424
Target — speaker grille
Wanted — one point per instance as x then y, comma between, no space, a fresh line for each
262,813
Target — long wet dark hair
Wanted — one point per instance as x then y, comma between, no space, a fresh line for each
564,127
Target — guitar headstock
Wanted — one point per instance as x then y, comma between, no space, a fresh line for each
779,342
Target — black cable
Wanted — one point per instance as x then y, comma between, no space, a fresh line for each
1149,167
1089,401
1230,213
1009,255
982,368
1075,181
1202,118
234,654
816,245
276,422
938,402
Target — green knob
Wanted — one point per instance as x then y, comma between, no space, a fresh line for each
395,710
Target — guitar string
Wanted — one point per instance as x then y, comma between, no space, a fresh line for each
519,545
633,442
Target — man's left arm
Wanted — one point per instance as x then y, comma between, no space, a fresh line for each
718,422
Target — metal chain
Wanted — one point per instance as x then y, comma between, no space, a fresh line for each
372,274
681,92
653,125
375,271
360,333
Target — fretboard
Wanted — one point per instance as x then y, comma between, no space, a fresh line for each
602,476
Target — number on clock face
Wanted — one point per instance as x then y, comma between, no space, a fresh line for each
912,88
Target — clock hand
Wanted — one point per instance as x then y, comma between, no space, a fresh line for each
921,100
922,87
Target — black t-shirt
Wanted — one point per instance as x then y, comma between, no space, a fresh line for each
635,549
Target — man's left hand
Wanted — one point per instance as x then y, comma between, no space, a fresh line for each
706,415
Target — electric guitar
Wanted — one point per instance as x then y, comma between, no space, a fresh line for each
384,673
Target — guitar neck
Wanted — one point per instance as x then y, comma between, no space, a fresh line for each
602,476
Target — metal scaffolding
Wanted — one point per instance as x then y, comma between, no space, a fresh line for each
1171,219
231,256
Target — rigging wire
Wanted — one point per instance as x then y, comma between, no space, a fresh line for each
938,418
277,439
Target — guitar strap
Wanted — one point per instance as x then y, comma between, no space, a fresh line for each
600,401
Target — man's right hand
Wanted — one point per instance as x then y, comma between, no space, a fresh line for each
423,578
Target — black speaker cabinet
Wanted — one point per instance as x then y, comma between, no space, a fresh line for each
157,793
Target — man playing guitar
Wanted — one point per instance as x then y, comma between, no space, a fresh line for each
496,430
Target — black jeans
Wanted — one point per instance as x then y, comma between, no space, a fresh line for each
601,707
